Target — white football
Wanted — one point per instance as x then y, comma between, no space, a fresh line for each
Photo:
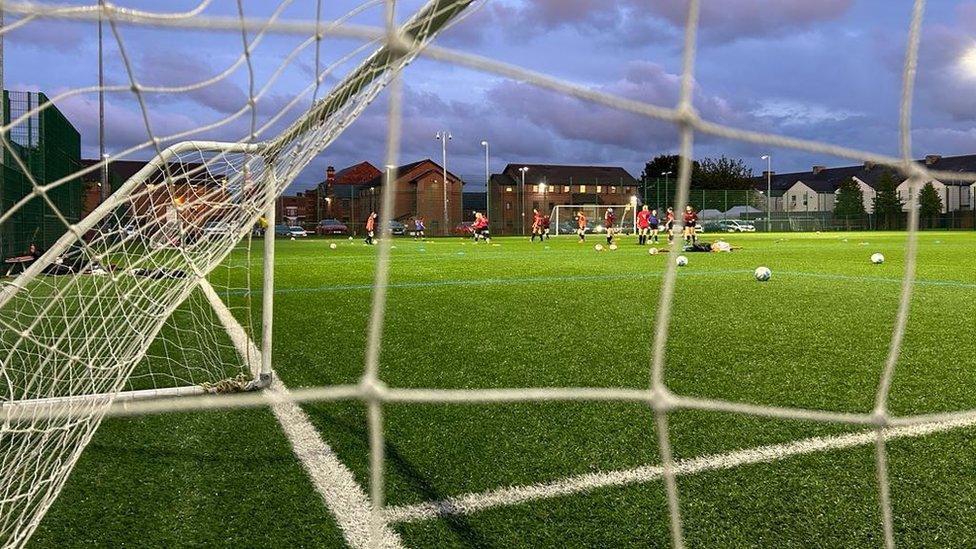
652,251
877,259
599,247
293,238
613,246
350,238
333,246
681,261
763,274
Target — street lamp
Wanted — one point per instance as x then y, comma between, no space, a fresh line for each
444,137
487,186
523,169
769,189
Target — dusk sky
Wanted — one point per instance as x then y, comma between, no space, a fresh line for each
827,69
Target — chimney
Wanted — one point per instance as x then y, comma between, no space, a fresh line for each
330,174
932,159
868,165
818,169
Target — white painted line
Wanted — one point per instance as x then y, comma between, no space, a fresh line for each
332,479
514,495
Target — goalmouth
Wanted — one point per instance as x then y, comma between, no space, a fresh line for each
563,219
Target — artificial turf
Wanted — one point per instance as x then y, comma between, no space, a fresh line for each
521,314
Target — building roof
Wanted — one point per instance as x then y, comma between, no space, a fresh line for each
352,175
558,174
121,171
406,168
826,180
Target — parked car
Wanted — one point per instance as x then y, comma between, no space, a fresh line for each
331,227
297,231
464,229
217,228
736,226
397,228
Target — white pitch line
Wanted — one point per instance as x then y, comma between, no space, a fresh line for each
332,479
514,495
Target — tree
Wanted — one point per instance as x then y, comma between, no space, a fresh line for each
653,178
929,203
850,200
887,204
722,174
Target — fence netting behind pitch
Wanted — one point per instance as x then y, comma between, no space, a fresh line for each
125,297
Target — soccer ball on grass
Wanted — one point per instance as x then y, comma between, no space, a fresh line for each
332,246
877,259
763,274
599,247
652,251
681,261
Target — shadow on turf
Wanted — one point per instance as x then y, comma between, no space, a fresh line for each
357,432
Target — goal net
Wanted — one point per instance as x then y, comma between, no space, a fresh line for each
152,292
564,218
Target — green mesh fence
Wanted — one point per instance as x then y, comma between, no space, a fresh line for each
50,147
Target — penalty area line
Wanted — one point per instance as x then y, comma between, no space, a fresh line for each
514,495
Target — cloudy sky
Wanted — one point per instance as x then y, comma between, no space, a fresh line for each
828,70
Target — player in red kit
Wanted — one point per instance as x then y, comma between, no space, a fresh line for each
608,220
370,228
669,224
581,226
545,226
480,228
643,225
690,218
536,225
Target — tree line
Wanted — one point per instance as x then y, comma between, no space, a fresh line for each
888,205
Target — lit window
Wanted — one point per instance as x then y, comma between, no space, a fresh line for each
565,188
582,188
508,205
599,188
508,189
613,190
535,188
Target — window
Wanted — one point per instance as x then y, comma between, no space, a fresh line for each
582,188
806,199
508,189
508,205
565,188
599,188
613,190
535,188
793,199
964,197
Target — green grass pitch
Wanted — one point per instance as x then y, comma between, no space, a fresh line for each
524,314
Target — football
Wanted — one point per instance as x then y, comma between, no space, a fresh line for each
681,261
763,274
599,247
652,251
332,246
613,247
877,259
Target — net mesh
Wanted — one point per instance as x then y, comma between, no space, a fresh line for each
85,334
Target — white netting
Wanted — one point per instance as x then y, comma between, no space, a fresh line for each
129,286
81,334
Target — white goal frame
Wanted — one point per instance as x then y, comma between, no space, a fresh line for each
554,215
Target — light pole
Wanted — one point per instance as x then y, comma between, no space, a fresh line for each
523,169
444,137
487,186
665,174
101,107
769,189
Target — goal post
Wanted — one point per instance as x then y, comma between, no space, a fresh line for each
149,295
564,221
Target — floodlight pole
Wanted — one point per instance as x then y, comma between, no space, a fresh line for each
267,293
523,169
665,174
444,137
487,186
105,191
769,190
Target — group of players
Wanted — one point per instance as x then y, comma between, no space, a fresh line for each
649,225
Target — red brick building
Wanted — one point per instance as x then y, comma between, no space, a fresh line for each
547,185
418,191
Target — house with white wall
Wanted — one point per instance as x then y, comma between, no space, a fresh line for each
816,190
